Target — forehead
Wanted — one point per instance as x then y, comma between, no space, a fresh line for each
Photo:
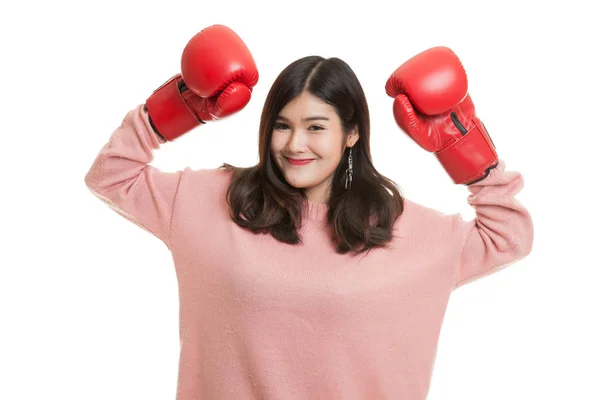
306,105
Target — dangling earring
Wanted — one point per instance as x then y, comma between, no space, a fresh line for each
349,170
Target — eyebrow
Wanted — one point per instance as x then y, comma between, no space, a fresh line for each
314,118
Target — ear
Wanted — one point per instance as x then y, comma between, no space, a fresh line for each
352,137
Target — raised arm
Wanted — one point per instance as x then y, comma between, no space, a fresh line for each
218,74
501,232
121,177
433,107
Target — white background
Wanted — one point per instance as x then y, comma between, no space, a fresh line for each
88,300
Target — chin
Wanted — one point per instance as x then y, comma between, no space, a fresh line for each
298,183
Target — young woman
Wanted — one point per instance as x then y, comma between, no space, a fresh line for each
308,275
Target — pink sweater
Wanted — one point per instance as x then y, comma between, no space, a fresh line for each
260,319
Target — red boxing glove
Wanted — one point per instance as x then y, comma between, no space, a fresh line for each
433,107
216,80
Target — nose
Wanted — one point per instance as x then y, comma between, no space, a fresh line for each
297,142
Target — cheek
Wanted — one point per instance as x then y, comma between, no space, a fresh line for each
275,147
277,142
327,148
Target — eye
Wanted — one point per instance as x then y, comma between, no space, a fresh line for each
281,126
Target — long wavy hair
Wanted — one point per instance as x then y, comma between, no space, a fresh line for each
261,200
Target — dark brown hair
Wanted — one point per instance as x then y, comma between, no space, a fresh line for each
261,200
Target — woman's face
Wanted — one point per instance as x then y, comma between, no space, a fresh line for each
309,128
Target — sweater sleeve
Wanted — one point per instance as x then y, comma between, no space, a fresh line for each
121,177
502,231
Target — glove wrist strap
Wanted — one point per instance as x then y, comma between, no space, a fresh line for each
169,112
469,159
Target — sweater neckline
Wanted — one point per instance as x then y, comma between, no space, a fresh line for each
316,212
